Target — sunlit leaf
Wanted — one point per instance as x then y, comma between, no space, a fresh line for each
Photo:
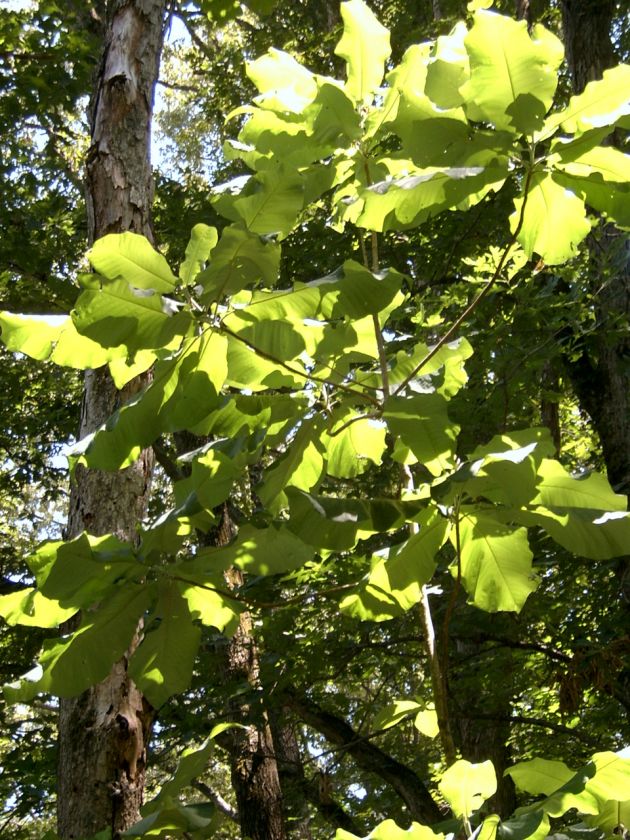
130,257
365,48
554,221
513,76
496,563
162,664
203,239
601,103
466,786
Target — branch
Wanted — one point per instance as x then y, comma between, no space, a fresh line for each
319,796
534,721
302,374
163,457
404,781
217,799
476,301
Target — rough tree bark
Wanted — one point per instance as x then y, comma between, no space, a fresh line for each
103,732
601,376
254,769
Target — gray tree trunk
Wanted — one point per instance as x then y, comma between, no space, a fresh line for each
103,732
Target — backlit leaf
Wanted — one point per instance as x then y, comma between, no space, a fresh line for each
554,221
466,786
496,563
130,257
601,103
365,48
513,76
203,239
162,664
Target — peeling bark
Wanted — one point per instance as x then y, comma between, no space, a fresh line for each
103,732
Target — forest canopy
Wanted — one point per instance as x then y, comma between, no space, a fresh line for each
341,380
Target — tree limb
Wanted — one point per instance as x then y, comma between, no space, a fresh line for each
403,779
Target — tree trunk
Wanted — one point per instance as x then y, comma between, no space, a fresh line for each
254,769
601,376
524,12
586,28
103,732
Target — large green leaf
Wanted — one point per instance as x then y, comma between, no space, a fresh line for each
554,221
269,203
466,786
351,443
119,314
602,163
284,83
203,239
446,367
587,533
302,466
72,664
410,196
528,826
210,607
54,338
540,775
365,48
337,524
613,817
388,830
449,68
513,77
601,103
422,423
612,200
130,257
605,778
503,471
557,487
77,573
426,129
279,340
183,392
394,584
240,259
173,819
162,665
250,368
496,562
30,608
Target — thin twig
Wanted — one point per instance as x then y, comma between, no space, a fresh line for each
476,301
302,374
